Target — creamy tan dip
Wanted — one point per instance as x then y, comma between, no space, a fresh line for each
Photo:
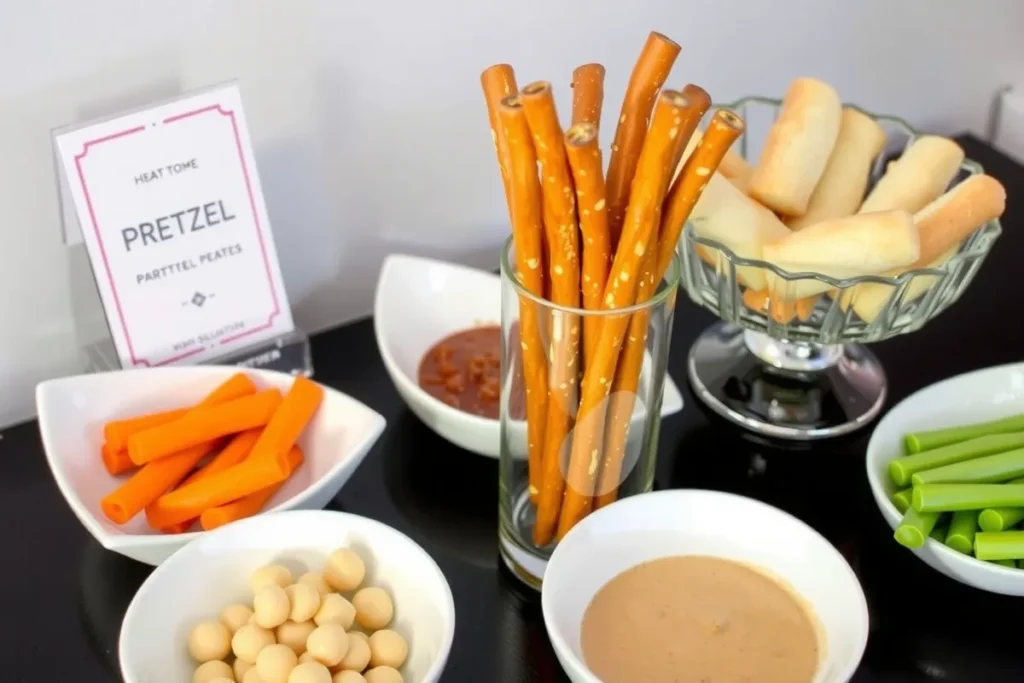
695,619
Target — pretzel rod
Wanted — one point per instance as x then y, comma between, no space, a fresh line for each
498,82
723,129
587,94
700,102
564,266
588,172
527,231
653,173
649,74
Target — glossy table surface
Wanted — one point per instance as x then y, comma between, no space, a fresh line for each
63,596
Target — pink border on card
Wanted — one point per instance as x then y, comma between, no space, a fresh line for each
230,114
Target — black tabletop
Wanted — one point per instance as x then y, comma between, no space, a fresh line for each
62,596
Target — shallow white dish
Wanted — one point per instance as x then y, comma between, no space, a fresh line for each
978,396
73,410
420,301
690,522
213,572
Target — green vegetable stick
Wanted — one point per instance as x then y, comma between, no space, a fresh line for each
999,545
901,499
953,497
901,469
1000,519
915,527
987,470
1005,563
960,536
926,441
939,530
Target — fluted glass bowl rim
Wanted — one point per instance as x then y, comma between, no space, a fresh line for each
992,228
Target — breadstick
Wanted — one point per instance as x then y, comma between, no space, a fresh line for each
587,94
797,147
920,175
527,237
653,172
841,188
723,129
870,298
700,102
499,82
781,310
564,268
649,74
584,152
852,246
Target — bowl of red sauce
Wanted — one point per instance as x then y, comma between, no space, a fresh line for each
438,329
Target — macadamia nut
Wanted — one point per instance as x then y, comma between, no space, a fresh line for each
249,640
388,648
208,641
310,672
358,656
344,570
304,600
294,635
271,574
270,605
328,643
275,662
211,671
349,677
383,674
235,617
373,608
317,581
334,609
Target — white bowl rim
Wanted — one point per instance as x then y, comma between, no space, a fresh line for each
560,645
242,526
122,540
445,410
886,505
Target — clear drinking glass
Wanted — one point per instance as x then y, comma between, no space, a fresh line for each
587,452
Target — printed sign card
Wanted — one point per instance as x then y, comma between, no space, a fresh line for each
173,219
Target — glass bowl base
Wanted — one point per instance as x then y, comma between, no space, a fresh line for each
524,559
797,393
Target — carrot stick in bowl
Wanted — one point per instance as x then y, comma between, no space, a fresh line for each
235,452
189,502
722,130
564,268
283,430
203,424
587,94
115,460
528,236
118,432
249,505
652,178
649,74
151,482
584,153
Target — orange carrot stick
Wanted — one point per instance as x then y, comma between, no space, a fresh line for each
564,268
652,177
723,129
235,452
527,235
584,152
189,502
116,461
249,505
499,82
117,433
587,94
151,482
700,102
649,74
285,426
204,423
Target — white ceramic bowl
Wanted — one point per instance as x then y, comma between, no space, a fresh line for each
73,410
420,301
213,572
689,522
978,396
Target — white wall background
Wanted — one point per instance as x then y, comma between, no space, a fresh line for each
369,126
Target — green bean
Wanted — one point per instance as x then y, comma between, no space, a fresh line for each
926,441
1000,519
901,469
915,527
962,528
990,469
901,499
999,545
953,497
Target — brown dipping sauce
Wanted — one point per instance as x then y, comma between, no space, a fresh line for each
695,619
463,371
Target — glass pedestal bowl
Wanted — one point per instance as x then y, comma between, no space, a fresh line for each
798,369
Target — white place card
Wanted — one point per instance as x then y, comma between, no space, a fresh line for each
173,219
